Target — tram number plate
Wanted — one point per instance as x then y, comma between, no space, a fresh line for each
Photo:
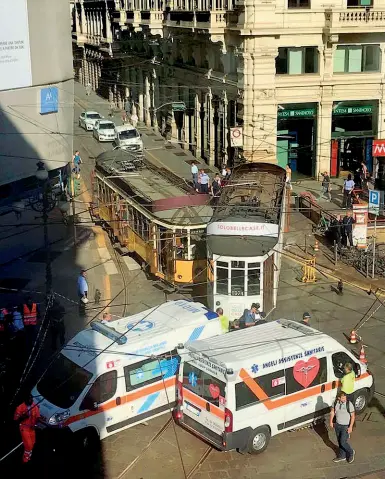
237,293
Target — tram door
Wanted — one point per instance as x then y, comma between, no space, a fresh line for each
268,284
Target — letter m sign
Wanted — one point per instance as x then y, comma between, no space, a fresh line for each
378,148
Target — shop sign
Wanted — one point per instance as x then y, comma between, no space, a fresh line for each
360,227
378,148
307,112
353,110
240,228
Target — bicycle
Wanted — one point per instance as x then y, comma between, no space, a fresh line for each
322,226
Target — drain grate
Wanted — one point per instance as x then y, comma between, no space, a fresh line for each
14,283
170,147
40,257
159,139
180,153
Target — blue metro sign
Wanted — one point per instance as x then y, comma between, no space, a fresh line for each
49,100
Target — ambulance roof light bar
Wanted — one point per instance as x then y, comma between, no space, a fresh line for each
109,332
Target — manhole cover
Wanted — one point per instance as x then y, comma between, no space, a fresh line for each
40,256
159,139
180,153
170,147
13,283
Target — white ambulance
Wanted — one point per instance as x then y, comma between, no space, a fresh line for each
114,375
237,390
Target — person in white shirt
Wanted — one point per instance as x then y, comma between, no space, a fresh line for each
348,190
194,174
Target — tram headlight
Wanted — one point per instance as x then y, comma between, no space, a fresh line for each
218,303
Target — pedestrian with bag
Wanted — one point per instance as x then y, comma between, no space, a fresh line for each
342,419
348,191
348,223
325,187
27,415
82,290
77,161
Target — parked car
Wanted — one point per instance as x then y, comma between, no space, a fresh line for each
104,130
87,119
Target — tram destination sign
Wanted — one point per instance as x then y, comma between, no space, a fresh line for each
241,228
353,110
304,113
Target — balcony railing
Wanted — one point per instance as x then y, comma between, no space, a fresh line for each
360,19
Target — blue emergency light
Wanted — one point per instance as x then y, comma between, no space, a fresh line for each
109,332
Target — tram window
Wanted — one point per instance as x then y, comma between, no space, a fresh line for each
222,278
238,278
253,279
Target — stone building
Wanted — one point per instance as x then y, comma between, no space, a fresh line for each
36,92
302,79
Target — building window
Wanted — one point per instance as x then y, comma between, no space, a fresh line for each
103,389
357,58
298,4
296,61
272,385
253,279
237,278
359,3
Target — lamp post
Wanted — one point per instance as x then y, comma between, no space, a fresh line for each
42,177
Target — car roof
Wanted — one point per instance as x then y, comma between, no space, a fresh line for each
106,121
263,343
125,127
91,111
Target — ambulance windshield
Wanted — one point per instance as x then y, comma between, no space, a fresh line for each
203,384
63,382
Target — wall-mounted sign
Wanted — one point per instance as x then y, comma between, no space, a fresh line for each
49,100
236,137
15,59
305,113
227,228
354,110
360,227
378,148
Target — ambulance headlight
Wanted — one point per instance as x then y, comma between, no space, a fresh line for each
59,417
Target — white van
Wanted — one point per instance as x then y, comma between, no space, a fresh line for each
103,382
128,138
238,390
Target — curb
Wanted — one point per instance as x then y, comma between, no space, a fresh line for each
365,474
332,274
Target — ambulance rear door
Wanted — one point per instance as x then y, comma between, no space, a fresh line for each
204,401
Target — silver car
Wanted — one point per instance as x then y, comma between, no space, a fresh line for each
87,119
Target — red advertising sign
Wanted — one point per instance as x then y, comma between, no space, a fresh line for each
378,148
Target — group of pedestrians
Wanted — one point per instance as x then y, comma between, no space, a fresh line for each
202,184
341,229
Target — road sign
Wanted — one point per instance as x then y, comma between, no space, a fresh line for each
49,100
236,136
374,202
178,106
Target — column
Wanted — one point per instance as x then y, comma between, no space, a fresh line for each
157,102
140,100
83,19
225,128
198,125
212,127
324,131
147,101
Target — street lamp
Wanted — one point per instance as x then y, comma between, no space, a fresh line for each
42,177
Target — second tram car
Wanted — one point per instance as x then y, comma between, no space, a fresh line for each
152,214
244,240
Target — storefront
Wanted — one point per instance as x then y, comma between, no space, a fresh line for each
354,126
296,137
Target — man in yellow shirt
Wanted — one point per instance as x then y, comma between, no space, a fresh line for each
224,320
347,382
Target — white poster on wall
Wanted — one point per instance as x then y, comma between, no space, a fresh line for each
15,55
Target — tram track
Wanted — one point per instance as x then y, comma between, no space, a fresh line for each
198,465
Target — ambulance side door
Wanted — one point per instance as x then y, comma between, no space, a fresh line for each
99,402
150,387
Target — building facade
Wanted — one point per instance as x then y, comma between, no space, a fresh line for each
301,81
36,92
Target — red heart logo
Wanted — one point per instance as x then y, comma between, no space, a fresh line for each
304,372
214,391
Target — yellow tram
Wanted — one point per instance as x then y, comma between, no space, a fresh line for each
152,214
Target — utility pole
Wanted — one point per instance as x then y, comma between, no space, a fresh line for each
374,246
73,208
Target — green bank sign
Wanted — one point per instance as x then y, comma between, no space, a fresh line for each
305,113
354,110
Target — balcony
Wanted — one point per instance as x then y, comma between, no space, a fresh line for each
355,20
152,20
214,22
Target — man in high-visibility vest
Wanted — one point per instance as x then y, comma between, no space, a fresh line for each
31,316
27,415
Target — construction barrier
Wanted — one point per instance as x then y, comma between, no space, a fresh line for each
309,271
353,338
316,246
362,355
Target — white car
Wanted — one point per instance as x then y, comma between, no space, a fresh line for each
128,137
87,119
104,130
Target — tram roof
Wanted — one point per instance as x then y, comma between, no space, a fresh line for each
241,246
164,194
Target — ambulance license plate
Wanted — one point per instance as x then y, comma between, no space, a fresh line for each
192,409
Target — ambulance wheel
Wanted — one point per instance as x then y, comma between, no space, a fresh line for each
259,440
360,402
88,441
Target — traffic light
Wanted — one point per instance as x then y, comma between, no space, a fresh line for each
76,187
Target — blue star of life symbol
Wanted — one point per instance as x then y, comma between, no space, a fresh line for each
254,368
192,379
140,326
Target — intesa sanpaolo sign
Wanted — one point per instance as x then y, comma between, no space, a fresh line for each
235,228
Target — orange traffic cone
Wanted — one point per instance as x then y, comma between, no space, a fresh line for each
316,246
353,337
362,355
